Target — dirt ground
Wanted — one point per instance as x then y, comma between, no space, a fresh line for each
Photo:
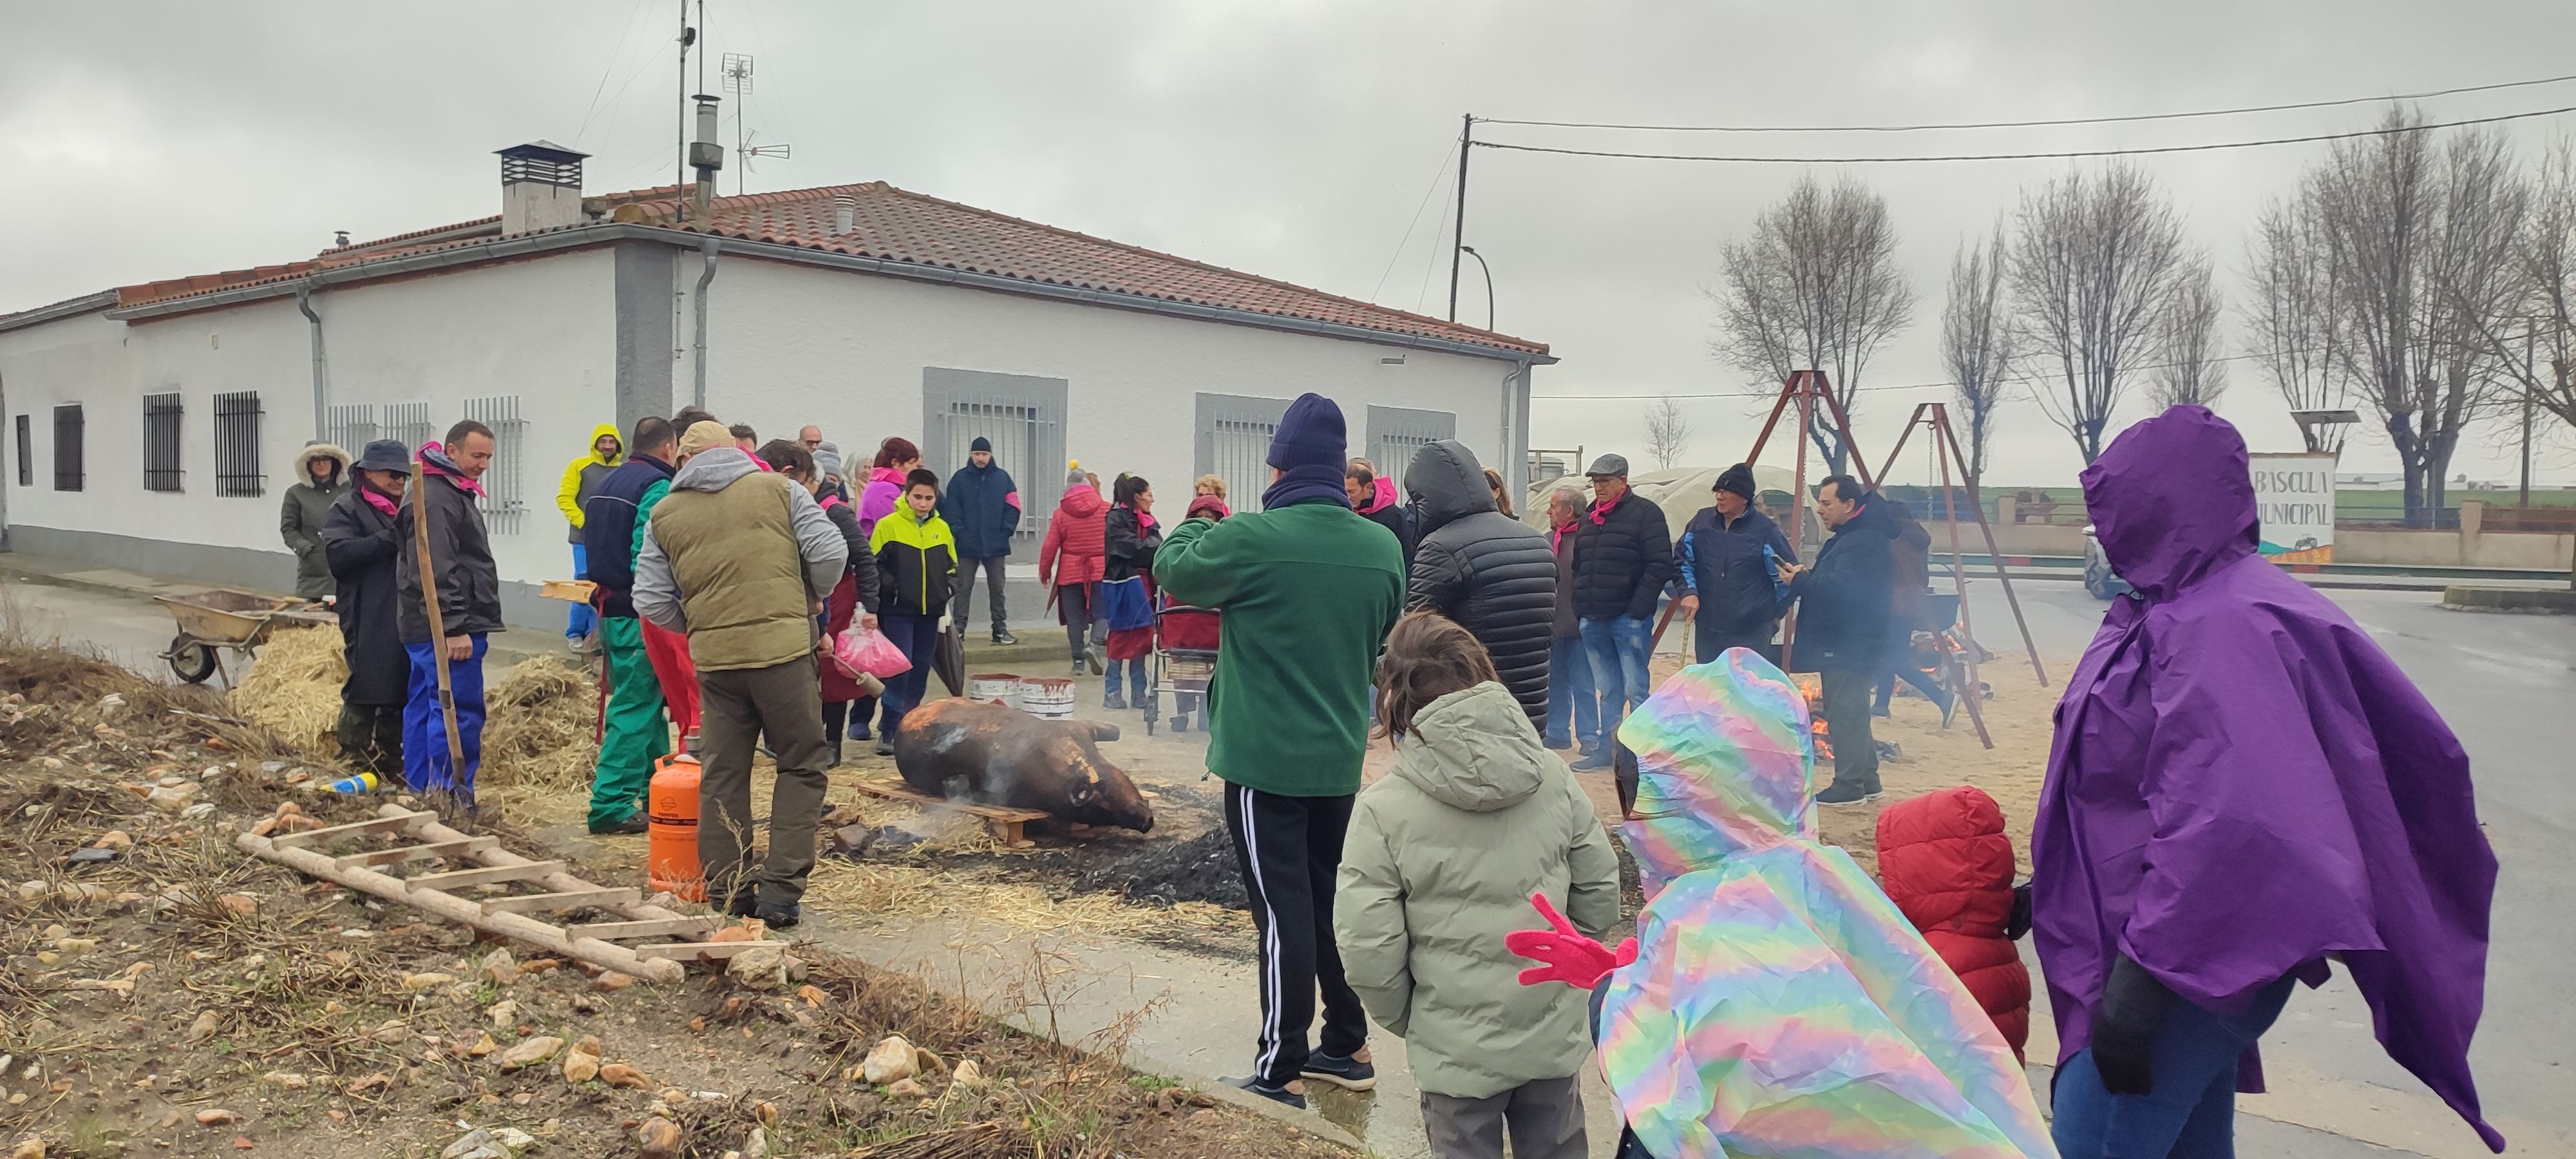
170,993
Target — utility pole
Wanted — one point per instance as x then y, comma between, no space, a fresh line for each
1458,238
680,138
2528,327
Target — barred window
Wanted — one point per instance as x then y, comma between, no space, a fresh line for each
406,423
1234,444
26,452
504,502
162,414
350,426
237,465
68,428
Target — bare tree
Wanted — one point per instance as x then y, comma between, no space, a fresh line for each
1815,287
2189,368
2096,259
2295,301
2425,235
1977,341
1667,433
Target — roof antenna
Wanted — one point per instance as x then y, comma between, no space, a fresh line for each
736,73
680,141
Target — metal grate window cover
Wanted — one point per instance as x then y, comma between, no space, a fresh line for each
26,452
68,431
504,503
1395,433
406,423
1234,444
351,426
238,471
1024,417
162,427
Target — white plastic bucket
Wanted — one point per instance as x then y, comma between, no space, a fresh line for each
1001,686
1049,697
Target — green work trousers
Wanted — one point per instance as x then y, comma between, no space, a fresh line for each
637,733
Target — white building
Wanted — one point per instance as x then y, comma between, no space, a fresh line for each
152,426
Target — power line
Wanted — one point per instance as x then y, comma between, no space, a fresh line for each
1763,390
2199,148
1427,191
2118,120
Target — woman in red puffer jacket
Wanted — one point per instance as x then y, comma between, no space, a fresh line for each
1070,562
1944,860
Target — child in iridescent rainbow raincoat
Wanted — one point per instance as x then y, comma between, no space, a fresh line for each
1777,1004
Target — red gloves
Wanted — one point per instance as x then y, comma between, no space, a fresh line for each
1571,958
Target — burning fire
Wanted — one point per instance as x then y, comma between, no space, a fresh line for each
1813,688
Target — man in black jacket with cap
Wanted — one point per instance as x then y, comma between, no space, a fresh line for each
1727,585
1623,556
1844,600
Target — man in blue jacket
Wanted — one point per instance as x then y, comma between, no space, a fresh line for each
982,507
1727,586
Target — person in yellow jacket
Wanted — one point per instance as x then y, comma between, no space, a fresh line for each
581,477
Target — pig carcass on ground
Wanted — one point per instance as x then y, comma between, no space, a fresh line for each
993,754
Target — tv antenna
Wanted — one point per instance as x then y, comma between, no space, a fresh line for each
736,70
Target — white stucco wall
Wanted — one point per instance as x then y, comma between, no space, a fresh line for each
541,329
790,345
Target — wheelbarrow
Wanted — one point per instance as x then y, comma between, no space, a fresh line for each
224,618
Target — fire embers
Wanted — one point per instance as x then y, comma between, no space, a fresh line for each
968,750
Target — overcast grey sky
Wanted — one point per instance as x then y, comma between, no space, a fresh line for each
1295,140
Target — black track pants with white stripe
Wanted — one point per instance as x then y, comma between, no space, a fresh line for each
1289,849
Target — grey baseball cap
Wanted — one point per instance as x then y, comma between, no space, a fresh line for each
1609,466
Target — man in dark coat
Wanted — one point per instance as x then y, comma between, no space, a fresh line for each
1727,586
468,589
1375,499
360,544
1623,556
1491,573
982,507
1844,600
635,732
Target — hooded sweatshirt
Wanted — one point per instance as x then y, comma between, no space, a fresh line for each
1439,863
301,515
1075,550
1779,1004
2243,783
583,475
733,556
878,499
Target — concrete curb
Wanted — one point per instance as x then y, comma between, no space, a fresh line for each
2533,600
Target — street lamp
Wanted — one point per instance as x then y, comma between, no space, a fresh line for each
1470,251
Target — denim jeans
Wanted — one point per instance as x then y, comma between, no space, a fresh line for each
582,619
1135,672
1572,701
1618,651
2191,1113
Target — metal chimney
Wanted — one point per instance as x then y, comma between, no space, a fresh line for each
705,156
540,187
845,212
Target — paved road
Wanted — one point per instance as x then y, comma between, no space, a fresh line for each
2507,684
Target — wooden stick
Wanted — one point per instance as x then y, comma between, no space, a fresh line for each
1977,507
463,912
652,928
1798,501
402,853
437,628
596,897
393,821
487,875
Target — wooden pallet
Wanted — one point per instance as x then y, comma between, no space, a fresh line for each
1003,822
492,868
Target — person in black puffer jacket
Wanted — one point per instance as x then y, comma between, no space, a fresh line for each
1726,584
1623,556
1489,572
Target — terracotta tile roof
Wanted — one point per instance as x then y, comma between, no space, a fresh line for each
897,225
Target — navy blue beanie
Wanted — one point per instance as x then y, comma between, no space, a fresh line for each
1311,434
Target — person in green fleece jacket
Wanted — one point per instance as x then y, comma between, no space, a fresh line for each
1309,591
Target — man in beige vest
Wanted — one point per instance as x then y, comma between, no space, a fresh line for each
737,558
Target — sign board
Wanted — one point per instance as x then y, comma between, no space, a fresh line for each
2294,499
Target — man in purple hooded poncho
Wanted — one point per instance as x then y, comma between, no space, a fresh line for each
2242,784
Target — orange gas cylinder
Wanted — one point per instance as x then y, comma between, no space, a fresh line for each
671,852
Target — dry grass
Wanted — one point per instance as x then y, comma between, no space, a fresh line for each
293,688
888,892
540,717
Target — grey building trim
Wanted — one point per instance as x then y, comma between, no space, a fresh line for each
239,567
66,308
644,277
577,237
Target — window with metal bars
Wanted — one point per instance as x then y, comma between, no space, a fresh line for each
26,452
237,464
406,423
1023,416
350,427
1234,444
504,503
162,425
1395,433
68,430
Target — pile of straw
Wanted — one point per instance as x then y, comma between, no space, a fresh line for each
538,726
894,893
293,689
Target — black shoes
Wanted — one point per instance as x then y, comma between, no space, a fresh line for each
632,825
1278,1093
1114,702
1180,722
1350,1074
778,917
1003,637
1839,793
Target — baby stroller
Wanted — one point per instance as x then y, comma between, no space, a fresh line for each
1185,640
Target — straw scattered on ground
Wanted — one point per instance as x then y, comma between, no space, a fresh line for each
293,688
885,892
538,726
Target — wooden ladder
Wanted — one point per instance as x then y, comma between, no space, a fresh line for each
1006,824
554,890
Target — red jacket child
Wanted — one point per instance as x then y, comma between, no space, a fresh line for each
1074,551
1944,860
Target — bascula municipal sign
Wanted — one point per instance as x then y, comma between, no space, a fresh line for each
2294,497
